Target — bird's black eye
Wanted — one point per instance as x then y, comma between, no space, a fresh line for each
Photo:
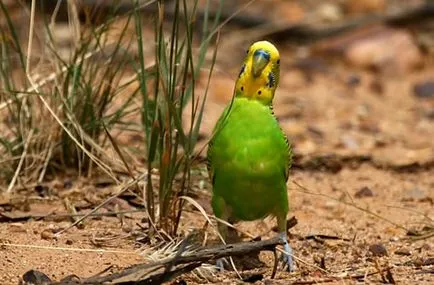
259,92
242,88
278,61
247,52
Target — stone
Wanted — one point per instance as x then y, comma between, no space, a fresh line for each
388,50
364,192
403,251
424,89
378,249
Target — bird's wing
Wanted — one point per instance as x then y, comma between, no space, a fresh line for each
217,128
288,146
209,161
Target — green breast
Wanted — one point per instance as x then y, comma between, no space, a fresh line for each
249,158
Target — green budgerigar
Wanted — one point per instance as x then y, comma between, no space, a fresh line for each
249,156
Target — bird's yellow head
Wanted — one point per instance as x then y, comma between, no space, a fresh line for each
259,74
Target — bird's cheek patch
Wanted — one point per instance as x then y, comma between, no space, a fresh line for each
271,80
242,70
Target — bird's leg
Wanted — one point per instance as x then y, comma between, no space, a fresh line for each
223,230
287,256
223,214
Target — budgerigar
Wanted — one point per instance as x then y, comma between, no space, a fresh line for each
249,156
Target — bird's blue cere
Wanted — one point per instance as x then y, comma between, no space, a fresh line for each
262,53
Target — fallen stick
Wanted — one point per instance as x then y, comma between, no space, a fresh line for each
167,269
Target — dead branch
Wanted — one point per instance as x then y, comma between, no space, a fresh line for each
169,268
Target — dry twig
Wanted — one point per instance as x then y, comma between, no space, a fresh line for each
166,269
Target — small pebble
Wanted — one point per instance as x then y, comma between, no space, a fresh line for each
429,114
415,193
330,204
426,247
394,239
17,228
41,190
377,87
353,80
428,261
47,235
127,228
67,184
349,142
364,192
403,251
424,89
378,249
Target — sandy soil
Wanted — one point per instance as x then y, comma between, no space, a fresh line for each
329,211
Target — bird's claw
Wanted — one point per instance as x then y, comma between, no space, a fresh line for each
220,264
286,257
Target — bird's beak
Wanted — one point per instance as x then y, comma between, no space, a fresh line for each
260,60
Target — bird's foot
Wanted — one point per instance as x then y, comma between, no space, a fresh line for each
286,257
220,264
